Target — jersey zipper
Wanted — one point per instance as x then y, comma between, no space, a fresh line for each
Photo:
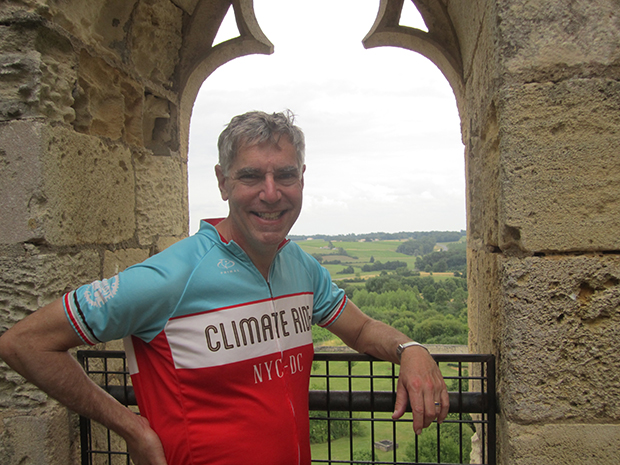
287,387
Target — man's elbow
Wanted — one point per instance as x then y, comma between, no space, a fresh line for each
8,346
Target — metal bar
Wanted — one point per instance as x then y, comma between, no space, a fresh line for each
383,401
356,401
492,411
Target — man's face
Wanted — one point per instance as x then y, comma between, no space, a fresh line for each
264,193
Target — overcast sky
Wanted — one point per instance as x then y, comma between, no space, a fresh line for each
383,145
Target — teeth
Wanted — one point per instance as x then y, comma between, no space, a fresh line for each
269,216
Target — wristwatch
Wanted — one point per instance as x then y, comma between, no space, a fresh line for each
401,347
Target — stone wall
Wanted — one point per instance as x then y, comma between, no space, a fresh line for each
92,177
542,131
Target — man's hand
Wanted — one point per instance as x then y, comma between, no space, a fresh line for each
421,384
147,450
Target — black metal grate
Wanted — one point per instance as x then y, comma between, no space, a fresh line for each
351,400
364,389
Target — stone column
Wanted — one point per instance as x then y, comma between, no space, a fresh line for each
543,167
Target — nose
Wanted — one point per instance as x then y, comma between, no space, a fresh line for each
270,193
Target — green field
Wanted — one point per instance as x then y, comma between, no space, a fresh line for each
358,255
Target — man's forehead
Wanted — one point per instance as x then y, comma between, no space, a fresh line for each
266,156
275,140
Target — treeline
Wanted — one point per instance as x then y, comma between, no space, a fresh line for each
440,236
390,265
425,243
453,259
428,311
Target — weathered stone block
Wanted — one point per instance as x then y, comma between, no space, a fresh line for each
101,25
161,197
556,38
58,76
575,444
117,261
30,281
108,103
156,40
483,182
559,343
474,30
37,70
21,179
560,177
20,73
34,279
484,295
164,242
158,125
89,190
44,437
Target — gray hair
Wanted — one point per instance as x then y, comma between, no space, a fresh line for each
256,127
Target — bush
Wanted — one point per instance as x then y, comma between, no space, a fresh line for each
337,429
449,437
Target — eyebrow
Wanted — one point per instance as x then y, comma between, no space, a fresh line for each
255,171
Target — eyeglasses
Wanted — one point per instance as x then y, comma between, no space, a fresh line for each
286,177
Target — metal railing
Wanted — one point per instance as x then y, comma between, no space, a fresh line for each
351,402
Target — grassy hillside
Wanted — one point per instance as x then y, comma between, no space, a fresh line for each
357,255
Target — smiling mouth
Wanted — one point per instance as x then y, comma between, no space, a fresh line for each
269,216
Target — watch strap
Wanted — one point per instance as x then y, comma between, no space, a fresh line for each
402,347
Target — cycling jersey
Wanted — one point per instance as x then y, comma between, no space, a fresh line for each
220,358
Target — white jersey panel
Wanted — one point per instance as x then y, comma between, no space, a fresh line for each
240,333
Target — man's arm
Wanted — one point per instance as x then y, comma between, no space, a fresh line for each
420,381
37,348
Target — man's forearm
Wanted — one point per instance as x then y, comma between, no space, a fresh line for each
62,378
381,340
37,348
367,335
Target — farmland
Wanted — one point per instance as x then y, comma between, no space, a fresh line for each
358,254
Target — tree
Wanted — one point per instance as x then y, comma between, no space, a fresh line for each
429,292
441,266
441,296
405,326
422,246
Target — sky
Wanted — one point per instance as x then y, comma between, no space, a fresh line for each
383,142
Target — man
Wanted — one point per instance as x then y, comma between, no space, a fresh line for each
217,326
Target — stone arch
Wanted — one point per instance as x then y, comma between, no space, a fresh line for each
199,58
440,44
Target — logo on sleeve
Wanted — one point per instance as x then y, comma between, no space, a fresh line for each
101,292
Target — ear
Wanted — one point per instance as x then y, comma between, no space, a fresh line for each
303,170
221,182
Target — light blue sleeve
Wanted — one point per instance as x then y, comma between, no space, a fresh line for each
329,299
139,300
